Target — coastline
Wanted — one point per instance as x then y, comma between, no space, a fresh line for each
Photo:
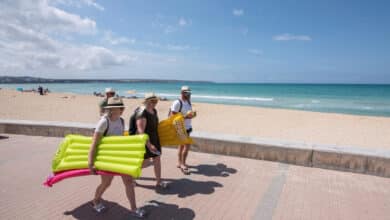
267,123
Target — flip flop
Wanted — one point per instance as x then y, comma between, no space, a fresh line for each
139,213
162,185
185,170
99,208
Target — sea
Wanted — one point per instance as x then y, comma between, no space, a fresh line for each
373,100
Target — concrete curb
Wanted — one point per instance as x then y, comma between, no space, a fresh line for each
352,159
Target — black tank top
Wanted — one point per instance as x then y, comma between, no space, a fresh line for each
152,127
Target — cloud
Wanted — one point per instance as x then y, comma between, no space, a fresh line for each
91,57
78,3
28,40
110,37
153,44
255,52
42,39
238,12
182,22
289,37
29,50
44,17
178,47
94,4
169,27
172,47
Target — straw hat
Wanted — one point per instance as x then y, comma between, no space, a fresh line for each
150,96
109,90
185,89
114,102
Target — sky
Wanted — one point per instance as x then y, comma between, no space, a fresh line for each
330,41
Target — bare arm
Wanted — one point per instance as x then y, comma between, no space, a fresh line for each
141,125
95,140
185,116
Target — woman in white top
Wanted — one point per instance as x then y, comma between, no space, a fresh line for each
111,124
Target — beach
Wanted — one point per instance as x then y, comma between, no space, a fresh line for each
265,123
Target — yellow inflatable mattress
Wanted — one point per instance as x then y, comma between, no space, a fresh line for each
120,154
172,131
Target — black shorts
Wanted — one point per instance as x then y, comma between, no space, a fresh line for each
149,154
189,131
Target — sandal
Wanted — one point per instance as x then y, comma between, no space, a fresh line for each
99,208
162,185
185,170
139,213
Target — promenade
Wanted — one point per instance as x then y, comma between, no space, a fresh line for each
219,187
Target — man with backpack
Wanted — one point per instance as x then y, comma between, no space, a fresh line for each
183,106
145,120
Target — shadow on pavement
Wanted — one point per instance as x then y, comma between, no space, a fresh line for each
164,211
3,137
212,170
85,211
185,187
154,209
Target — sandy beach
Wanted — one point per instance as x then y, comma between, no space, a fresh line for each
266,123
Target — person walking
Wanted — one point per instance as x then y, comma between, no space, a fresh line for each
109,93
183,105
110,124
145,121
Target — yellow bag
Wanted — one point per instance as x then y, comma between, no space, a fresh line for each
172,131
120,154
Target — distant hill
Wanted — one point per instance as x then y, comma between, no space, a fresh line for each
29,79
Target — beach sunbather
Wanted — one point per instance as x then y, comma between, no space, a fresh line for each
40,90
111,123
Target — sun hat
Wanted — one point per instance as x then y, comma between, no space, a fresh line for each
109,90
114,102
185,89
150,96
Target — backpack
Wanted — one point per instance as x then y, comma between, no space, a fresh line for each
181,106
108,125
133,120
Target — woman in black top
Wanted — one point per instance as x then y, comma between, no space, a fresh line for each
147,122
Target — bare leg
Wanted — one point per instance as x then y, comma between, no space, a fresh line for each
186,148
130,193
180,153
105,183
157,168
146,163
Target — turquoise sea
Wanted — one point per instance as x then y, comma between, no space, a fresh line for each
349,99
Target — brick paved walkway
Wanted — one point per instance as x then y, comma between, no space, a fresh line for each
219,187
